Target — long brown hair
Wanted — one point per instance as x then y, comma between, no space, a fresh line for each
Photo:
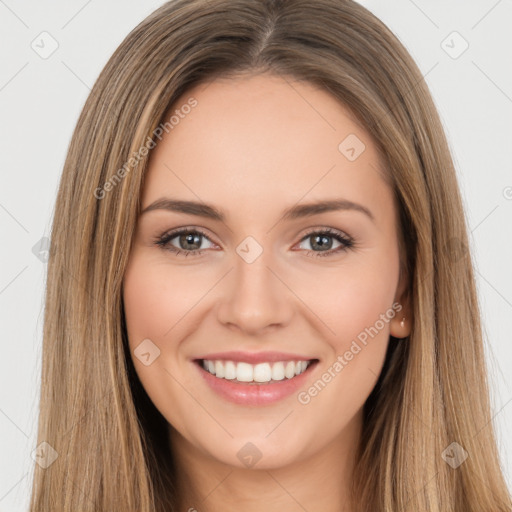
110,441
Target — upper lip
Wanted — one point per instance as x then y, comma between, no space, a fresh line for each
255,357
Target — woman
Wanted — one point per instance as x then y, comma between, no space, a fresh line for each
205,347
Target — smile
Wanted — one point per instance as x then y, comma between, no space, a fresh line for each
266,372
269,378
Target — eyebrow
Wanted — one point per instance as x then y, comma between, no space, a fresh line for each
295,212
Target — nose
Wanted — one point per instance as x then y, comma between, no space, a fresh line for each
255,297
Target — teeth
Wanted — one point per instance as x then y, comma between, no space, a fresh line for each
289,371
219,369
261,372
229,370
244,372
278,372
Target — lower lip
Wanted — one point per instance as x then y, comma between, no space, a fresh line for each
244,393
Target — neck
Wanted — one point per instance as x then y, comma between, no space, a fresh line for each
319,482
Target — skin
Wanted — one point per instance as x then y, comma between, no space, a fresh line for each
252,147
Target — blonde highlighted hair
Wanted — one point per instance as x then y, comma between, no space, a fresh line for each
113,452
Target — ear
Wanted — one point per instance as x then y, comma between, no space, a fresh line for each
401,323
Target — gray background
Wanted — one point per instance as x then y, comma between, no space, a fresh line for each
40,100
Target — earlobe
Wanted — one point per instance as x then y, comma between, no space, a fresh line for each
400,326
401,323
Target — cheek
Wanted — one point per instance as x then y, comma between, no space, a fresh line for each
351,299
157,297
151,308
358,309
356,306
156,300
147,302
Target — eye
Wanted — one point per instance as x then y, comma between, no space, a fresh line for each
189,241
321,240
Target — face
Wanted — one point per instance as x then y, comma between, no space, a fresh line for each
232,268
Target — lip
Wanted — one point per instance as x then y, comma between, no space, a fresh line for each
254,357
255,394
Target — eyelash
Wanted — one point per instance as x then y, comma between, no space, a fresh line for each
164,239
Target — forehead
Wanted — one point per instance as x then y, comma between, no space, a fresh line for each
264,141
